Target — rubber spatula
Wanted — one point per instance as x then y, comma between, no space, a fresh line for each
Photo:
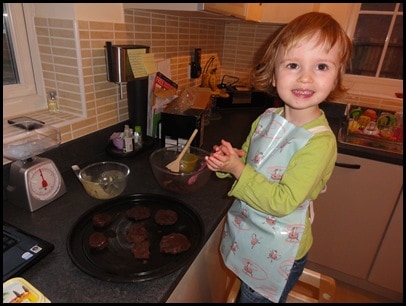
174,166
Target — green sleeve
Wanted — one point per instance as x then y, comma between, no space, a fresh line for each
304,178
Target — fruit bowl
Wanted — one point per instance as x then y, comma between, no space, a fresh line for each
193,173
104,180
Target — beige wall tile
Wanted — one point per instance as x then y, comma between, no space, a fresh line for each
61,33
60,23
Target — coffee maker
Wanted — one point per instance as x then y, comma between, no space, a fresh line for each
120,72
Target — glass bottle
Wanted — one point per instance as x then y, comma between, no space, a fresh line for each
138,136
53,103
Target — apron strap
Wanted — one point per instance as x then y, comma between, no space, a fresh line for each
317,129
320,128
311,212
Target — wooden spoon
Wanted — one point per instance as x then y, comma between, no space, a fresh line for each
175,165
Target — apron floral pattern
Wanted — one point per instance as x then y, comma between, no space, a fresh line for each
258,247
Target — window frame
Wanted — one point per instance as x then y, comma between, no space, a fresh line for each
28,95
369,85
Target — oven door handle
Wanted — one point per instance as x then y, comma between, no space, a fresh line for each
348,166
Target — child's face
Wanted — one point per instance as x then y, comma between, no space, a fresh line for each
306,74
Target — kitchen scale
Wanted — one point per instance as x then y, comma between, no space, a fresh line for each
34,181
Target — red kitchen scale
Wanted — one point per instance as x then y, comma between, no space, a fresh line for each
34,181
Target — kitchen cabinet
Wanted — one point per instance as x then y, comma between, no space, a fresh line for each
262,12
344,13
207,279
285,12
259,12
246,11
194,7
387,270
352,216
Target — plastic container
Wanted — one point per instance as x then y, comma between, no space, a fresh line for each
21,144
18,290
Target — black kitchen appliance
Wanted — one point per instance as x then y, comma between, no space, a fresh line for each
120,72
176,128
196,69
244,97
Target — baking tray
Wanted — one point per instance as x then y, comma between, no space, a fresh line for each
116,263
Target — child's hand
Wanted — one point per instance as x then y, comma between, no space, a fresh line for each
224,150
225,158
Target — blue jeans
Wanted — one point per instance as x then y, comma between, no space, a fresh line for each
248,295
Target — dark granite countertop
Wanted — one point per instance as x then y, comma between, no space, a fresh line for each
58,278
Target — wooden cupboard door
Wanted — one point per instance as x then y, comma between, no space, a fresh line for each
285,12
344,13
387,270
207,280
246,11
351,217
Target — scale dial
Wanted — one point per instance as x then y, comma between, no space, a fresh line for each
44,181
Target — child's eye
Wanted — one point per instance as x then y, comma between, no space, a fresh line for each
322,67
292,66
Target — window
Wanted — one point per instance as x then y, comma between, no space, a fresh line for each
378,41
10,72
22,80
359,77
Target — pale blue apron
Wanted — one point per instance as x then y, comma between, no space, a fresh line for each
258,247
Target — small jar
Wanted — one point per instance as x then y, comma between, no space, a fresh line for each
53,103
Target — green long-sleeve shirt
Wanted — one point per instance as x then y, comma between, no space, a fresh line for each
305,177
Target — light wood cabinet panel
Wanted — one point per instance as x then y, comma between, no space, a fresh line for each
285,12
246,11
387,270
207,280
193,7
344,13
259,12
352,216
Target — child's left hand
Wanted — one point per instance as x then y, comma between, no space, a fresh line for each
225,158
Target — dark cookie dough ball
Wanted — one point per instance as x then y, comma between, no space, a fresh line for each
136,233
98,241
174,243
166,217
101,220
138,213
141,250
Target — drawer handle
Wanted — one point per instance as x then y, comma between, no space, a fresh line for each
349,166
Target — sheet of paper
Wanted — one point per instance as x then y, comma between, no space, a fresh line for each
135,57
148,60
165,67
